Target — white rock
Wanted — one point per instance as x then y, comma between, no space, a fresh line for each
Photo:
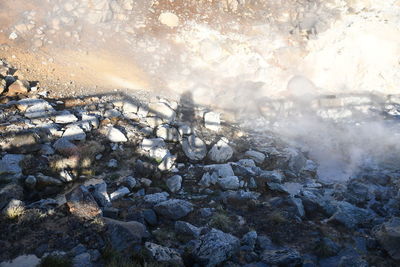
65,117
194,148
120,193
115,135
174,183
156,148
258,157
40,109
168,133
162,110
221,151
212,121
167,162
169,19
74,133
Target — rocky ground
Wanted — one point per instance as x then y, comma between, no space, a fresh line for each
113,180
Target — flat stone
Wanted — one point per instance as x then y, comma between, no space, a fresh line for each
65,117
220,152
281,257
174,208
40,109
163,111
194,148
82,204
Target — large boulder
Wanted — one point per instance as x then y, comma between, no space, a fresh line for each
124,235
388,235
82,204
215,247
174,208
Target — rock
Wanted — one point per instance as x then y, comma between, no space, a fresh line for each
115,135
207,180
156,198
83,259
23,142
167,162
46,150
162,110
271,176
206,212
10,191
130,182
12,206
247,163
100,194
44,180
124,235
65,147
298,204
113,163
150,217
327,248
184,130
37,109
169,19
156,148
120,193
163,255
10,167
194,148
168,133
220,170
112,114
212,121
215,247
17,88
174,209
277,187
30,181
221,151
350,215
281,257
130,109
258,157
22,261
174,183
65,117
185,228
249,239
229,183
74,133
388,235
81,203
352,261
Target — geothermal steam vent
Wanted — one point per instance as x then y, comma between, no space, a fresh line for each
199,133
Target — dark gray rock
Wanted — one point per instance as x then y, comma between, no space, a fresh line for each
281,257
250,239
352,261
215,247
187,229
156,198
150,217
350,215
124,235
10,168
100,194
174,208
388,235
